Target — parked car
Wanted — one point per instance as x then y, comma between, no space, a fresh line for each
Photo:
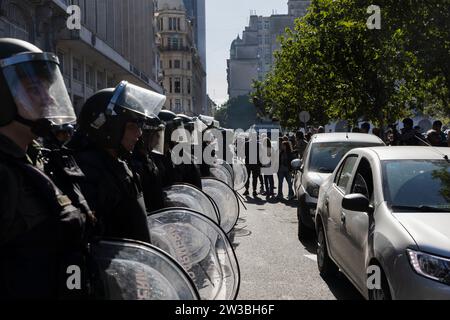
321,157
388,209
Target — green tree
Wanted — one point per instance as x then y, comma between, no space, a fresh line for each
333,66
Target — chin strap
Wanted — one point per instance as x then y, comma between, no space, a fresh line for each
41,128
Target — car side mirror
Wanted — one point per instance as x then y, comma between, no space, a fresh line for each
297,164
356,202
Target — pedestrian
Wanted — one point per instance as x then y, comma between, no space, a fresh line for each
437,126
40,229
300,144
365,127
253,164
321,130
409,136
376,132
434,138
268,177
284,171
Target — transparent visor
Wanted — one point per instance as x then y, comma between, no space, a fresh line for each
137,99
38,89
158,141
181,135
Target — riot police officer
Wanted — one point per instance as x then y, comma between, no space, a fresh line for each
111,124
39,226
152,140
189,170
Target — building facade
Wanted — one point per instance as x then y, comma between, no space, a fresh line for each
183,71
252,56
116,41
196,13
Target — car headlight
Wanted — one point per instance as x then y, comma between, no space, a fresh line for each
313,190
430,266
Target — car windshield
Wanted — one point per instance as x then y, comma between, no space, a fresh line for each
417,185
326,156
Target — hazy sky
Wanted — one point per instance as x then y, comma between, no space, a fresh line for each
225,19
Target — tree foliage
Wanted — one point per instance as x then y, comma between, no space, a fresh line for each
332,65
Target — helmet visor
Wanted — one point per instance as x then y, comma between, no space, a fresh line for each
137,99
37,86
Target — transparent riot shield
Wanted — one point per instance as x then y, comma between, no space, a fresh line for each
226,165
128,270
187,196
226,201
201,247
222,173
240,174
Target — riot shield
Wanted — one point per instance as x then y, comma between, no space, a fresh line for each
226,165
187,196
240,174
226,201
222,173
201,247
129,270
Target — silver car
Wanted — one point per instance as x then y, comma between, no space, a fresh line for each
384,215
321,157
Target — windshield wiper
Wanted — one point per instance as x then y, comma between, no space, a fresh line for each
421,208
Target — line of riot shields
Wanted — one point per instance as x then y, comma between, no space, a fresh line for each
190,256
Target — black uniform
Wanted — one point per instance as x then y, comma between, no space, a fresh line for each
114,193
39,229
151,179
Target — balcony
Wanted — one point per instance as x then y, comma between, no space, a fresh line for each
175,48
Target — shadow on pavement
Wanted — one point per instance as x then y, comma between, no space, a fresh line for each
310,245
342,288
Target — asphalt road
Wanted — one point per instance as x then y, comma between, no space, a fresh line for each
274,264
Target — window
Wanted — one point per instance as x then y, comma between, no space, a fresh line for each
77,69
170,64
171,103
189,86
178,24
189,104
266,24
90,76
260,40
177,64
363,182
267,39
345,174
171,24
178,105
100,80
189,65
174,43
111,82
62,62
259,25
177,85
161,24
170,86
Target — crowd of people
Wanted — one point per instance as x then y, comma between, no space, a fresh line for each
292,146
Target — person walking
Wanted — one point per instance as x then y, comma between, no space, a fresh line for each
284,172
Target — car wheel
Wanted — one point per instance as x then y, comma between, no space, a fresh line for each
382,294
326,266
304,233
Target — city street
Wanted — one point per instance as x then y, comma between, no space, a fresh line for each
274,263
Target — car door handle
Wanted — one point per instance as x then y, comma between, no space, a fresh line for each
343,218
